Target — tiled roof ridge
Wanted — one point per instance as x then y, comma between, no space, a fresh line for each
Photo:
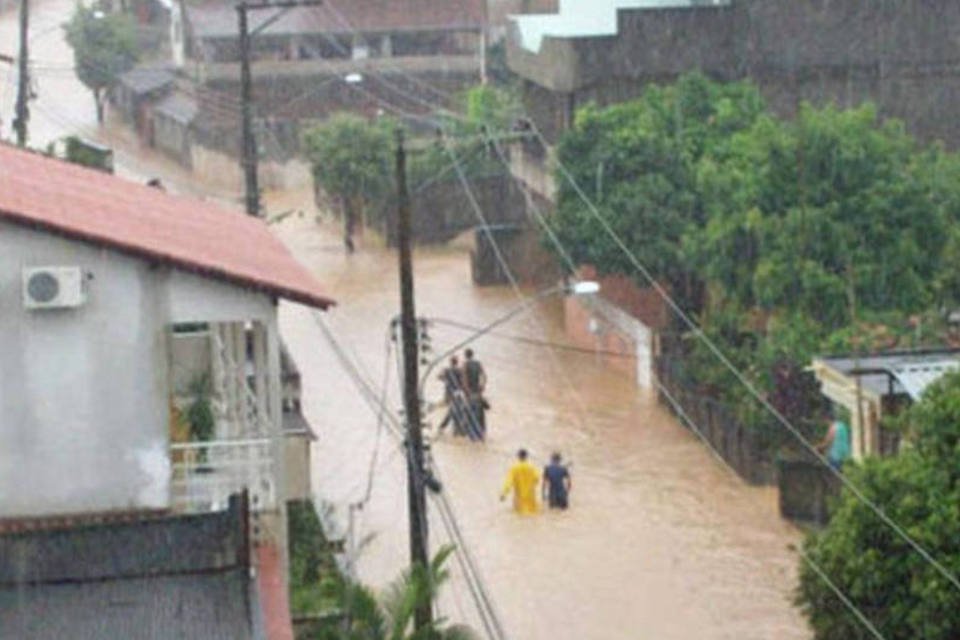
172,246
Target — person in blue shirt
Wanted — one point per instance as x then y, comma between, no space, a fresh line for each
556,483
836,443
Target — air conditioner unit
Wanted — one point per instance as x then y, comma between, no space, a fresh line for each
54,287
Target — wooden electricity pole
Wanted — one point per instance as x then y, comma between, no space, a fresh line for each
417,503
248,157
23,84
249,153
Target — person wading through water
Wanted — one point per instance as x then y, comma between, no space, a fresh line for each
556,483
522,480
454,397
475,381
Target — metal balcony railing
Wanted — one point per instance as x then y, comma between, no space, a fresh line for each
205,474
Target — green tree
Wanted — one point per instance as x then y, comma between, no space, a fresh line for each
104,47
390,617
902,594
352,159
638,161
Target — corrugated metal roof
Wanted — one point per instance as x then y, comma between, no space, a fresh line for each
589,18
211,606
185,576
179,231
179,107
915,378
143,80
909,372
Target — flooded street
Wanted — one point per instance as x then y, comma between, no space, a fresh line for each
661,541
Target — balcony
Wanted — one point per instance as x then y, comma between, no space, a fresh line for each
205,474
247,394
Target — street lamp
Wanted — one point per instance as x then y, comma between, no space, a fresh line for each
579,288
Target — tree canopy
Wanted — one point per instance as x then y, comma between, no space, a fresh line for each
104,47
901,593
783,238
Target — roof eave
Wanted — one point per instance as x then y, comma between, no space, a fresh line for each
301,297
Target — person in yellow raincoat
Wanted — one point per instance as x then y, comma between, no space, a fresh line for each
523,480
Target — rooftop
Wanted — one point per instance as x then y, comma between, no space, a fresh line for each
142,80
145,577
218,19
179,107
902,372
589,18
182,232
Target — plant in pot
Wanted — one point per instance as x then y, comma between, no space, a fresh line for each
200,415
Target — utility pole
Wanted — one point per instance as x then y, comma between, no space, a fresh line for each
411,394
249,154
248,158
23,85
484,41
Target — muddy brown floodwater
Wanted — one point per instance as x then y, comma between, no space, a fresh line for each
660,542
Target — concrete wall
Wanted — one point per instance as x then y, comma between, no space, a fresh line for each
84,392
83,405
900,55
620,323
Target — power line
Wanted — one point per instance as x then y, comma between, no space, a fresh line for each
740,376
484,606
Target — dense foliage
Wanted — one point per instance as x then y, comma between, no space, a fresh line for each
104,47
339,607
829,232
352,160
899,591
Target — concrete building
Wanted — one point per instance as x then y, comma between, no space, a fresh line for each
309,62
119,302
900,55
100,279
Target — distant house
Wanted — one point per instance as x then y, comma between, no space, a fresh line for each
122,308
898,55
366,56
883,383
173,126
136,91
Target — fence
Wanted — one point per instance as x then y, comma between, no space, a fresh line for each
206,474
806,489
737,444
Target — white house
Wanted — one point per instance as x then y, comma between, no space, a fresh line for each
114,299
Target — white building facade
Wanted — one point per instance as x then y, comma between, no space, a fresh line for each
110,317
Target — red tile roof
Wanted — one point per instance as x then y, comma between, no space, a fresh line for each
183,232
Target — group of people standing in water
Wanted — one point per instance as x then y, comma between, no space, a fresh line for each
463,394
467,407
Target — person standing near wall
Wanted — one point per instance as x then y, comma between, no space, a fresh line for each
836,443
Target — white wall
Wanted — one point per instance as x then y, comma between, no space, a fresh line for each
84,392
